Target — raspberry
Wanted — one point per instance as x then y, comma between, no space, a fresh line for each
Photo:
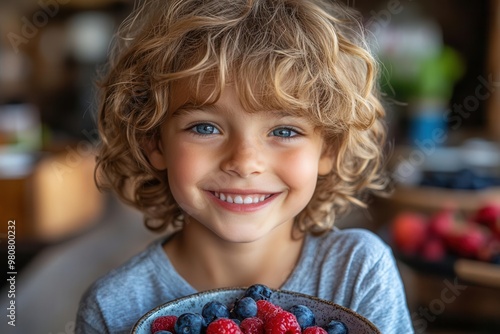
282,323
165,323
223,326
252,326
266,309
314,330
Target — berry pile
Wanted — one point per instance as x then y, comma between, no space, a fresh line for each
464,179
253,313
449,232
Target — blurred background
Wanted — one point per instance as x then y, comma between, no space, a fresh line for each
440,65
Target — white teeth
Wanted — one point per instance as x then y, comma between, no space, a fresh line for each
241,199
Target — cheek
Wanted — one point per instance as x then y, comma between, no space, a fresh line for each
181,164
299,168
190,170
185,170
186,158
185,167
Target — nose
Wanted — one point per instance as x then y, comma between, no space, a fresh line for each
243,158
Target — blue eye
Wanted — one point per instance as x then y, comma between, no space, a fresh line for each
284,132
205,129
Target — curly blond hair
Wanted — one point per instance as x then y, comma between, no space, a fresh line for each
305,56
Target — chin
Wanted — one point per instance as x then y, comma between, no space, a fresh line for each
240,236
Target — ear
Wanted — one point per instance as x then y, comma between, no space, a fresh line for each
155,153
326,161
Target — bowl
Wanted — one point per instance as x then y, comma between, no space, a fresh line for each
324,310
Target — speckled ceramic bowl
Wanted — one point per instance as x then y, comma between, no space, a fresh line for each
324,310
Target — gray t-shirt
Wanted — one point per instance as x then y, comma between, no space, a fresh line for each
350,267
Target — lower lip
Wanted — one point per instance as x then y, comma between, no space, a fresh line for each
234,207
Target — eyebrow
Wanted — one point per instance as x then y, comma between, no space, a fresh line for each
190,107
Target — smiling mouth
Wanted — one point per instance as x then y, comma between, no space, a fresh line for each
241,199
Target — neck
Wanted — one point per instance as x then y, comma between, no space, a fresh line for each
206,261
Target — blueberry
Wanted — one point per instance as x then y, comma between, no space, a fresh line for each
336,327
189,323
213,310
245,307
258,292
463,179
162,332
304,316
479,183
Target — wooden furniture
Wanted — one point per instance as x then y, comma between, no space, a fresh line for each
15,204
493,115
58,199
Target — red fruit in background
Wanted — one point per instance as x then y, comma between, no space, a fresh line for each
442,223
433,250
489,250
488,214
495,229
468,240
409,231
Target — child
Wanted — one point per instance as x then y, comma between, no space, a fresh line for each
244,127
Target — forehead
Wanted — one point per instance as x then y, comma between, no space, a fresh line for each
185,100
185,93
181,93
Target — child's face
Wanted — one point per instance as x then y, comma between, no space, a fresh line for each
265,163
